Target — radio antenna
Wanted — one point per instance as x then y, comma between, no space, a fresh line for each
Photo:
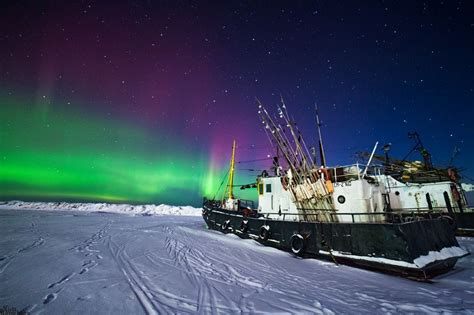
321,147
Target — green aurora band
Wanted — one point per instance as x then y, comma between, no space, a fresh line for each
59,155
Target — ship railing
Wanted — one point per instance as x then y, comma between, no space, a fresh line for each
394,216
248,204
211,203
243,203
246,207
468,209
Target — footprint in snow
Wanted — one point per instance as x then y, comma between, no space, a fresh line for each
84,298
36,243
87,266
49,298
64,279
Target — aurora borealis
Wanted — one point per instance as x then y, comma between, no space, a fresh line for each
79,158
139,102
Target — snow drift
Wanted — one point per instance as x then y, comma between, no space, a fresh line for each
104,207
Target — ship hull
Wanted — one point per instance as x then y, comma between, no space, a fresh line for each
420,249
464,223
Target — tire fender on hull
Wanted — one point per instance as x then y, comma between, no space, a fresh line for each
226,225
264,233
297,244
244,226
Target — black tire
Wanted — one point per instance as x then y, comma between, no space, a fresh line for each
225,225
264,233
244,226
297,244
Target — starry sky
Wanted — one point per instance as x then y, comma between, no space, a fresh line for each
139,101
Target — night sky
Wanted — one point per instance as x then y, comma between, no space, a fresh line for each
140,101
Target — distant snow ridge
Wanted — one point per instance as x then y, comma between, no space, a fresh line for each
104,207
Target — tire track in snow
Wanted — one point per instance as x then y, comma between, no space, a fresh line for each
226,267
209,273
183,304
163,301
154,298
148,289
133,278
206,302
202,269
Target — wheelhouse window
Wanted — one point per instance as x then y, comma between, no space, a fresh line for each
268,188
260,189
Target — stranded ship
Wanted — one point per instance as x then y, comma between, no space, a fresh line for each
421,188
343,214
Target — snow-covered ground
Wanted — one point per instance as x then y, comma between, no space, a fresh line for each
55,262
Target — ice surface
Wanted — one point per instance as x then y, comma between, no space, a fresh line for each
104,207
70,262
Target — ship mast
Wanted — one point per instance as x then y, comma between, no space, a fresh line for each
420,148
321,148
230,185
306,187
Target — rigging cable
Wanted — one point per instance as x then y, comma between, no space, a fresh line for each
464,175
249,161
220,186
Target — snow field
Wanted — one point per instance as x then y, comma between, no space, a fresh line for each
57,262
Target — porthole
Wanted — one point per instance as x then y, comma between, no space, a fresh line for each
397,193
341,199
